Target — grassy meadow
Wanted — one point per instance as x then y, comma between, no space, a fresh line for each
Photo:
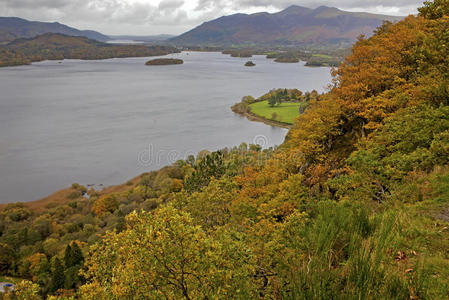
286,112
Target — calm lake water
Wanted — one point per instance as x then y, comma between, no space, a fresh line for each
103,122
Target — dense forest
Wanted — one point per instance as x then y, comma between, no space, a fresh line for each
353,205
53,46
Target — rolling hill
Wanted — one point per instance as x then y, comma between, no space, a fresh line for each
55,46
12,28
295,25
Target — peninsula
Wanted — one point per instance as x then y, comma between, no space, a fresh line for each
278,107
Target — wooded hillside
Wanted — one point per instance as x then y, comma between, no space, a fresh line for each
354,205
52,46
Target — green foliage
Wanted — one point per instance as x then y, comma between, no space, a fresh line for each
24,290
71,277
285,58
6,258
73,256
338,235
323,61
164,61
57,277
210,166
314,57
211,207
435,9
166,255
16,212
412,140
272,101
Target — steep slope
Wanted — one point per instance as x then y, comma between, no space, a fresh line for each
12,28
295,25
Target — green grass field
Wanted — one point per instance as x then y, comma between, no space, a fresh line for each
286,112
322,55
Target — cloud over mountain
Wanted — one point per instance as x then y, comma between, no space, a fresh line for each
171,16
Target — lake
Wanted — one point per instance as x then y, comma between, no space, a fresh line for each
106,121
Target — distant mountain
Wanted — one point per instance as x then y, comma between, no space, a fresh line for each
295,25
12,28
143,38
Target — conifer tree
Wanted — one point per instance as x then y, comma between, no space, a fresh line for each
76,255
57,279
68,256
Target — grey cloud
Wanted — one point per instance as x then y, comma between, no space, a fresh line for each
30,4
280,4
341,3
169,16
170,4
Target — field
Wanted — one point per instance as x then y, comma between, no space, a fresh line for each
286,112
322,56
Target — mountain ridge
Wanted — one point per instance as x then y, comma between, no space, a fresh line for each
295,25
12,28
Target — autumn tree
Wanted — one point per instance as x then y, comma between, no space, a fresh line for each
105,204
165,255
24,290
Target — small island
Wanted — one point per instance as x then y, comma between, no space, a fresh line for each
250,64
287,59
164,61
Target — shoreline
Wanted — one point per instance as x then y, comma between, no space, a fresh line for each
62,196
255,118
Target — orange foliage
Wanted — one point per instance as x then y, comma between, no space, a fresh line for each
105,204
375,66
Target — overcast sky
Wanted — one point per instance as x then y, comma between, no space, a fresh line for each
148,17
